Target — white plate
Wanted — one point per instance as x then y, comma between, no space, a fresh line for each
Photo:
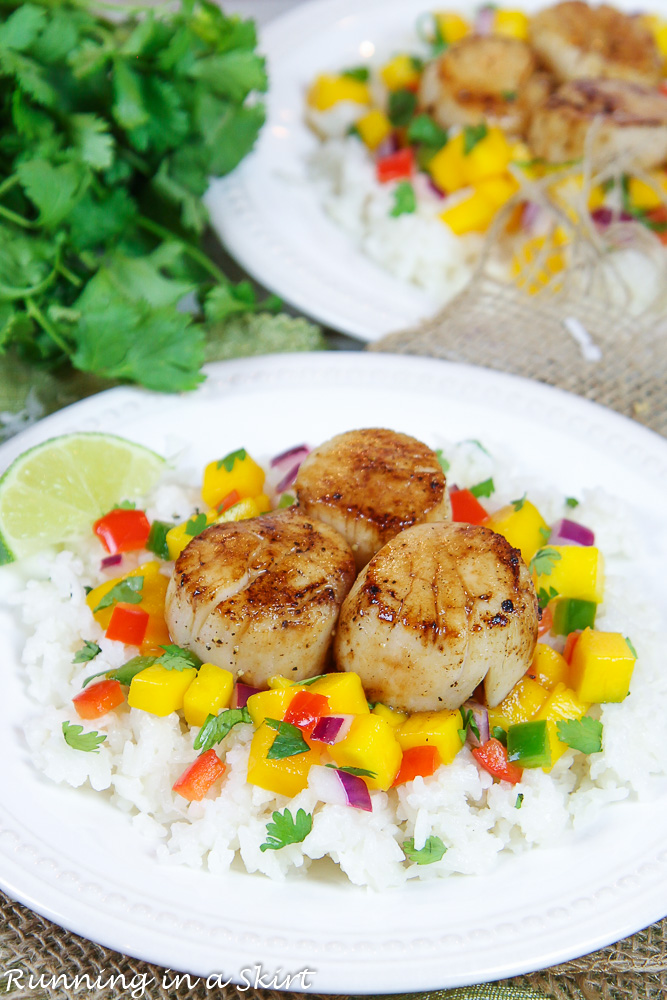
71,857
266,213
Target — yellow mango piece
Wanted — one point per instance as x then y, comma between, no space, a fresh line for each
278,681
658,27
209,693
235,472
562,703
182,534
287,776
271,704
511,24
374,128
244,509
452,26
154,585
160,691
572,570
601,666
522,525
488,157
399,73
549,667
328,90
345,693
390,715
498,190
473,214
520,705
447,167
371,744
647,196
437,729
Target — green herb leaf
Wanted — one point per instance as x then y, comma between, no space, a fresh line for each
78,740
631,647
360,73
177,658
402,106
544,561
405,200
571,502
484,489
544,595
581,734
125,673
88,652
545,534
129,591
216,727
196,525
433,850
518,504
360,772
286,500
286,830
125,505
288,743
472,135
519,800
469,723
228,461
499,734
425,131
444,464
508,95
157,539
311,680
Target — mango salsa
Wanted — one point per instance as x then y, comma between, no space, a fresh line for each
522,525
572,570
371,744
601,667
235,473
209,693
438,729
287,776
160,691
562,703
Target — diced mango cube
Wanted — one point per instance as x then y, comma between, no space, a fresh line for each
472,214
371,744
287,776
244,509
345,693
511,24
447,167
160,691
452,26
390,715
647,196
498,190
520,705
601,666
549,667
438,729
328,90
374,128
153,589
572,570
209,693
522,525
270,704
400,72
236,472
182,534
562,703
278,681
488,157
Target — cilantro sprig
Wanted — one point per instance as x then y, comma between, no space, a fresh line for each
288,743
584,734
88,652
286,829
432,851
173,658
129,591
216,727
78,740
544,561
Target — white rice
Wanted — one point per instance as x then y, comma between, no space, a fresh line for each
475,818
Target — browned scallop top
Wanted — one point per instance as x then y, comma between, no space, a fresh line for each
282,564
380,476
494,64
622,103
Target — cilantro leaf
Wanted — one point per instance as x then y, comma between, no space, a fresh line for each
360,73
125,673
484,489
177,658
499,734
288,743
78,740
433,850
88,652
286,830
444,464
402,106
545,534
286,500
405,200
571,502
360,772
425,131
228,461
472,135
157,538
544,561
544,595
518,504
196,525
631,647
129,591
216,727
469,723
508,95
581,734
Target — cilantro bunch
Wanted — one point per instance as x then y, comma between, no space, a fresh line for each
109,132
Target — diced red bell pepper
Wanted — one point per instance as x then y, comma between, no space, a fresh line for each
570,643
228,501
123,530
306,709
396,166
128,624
200,776
492,756
466,507
546,621
98,699
658,216
417,761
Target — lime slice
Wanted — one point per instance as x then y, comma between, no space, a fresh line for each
53,492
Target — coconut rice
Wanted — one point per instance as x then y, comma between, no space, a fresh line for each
475,817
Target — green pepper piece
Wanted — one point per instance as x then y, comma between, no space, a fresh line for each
157,539
528,744
571,615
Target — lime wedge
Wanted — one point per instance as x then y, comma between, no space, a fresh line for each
53,492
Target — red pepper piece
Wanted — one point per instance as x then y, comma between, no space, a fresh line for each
466,507
196,780
228,501
546,621
305,709
570,643
123,530
658,216
128,624
492,756
98,699
417,761
395,167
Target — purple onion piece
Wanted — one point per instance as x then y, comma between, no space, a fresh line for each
603,217
387,147
356,791
484,20
113,560
331,729
481,717
288,478
298,451
432,186
242,692
566,532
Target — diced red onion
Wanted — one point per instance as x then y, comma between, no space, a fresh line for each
484,20
113,560
298,451
288,463
566,532
241,694
434,188
481,717
356,791
288,478
326,784
603,217
387,147
332,729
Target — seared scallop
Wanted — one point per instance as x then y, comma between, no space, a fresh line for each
625,119
579,41
371,484
261,597
441,608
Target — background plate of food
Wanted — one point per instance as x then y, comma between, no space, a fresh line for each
450,879
396,136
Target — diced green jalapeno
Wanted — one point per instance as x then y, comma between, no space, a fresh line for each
571,614
528,744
